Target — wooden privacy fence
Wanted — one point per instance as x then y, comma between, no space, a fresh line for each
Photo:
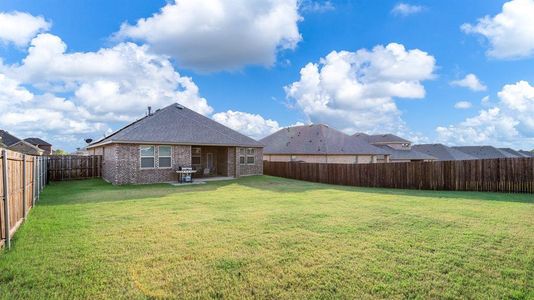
22,178
513,175
71,167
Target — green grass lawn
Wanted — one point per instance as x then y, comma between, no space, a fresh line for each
266,237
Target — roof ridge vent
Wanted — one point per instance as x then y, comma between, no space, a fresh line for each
179,106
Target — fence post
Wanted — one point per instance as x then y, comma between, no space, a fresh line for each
24,186
38,177
6,199
34,182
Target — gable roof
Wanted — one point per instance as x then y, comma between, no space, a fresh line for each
405,154
484,152
37,141
513,152
526,153
442,152
176,124
381,138
25,147
8,139
316,139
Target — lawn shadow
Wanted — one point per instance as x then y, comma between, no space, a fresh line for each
285,185
83,191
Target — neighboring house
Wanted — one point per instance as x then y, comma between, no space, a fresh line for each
13,143
152,148
318,144
526,153
399,149
442,152
39,143
513,152
484,152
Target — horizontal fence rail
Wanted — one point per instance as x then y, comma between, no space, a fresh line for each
72,167
22,178
512,175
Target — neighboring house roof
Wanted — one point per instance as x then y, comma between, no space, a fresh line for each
37,141
176,124
7,138
24,147
381,138
484,152
513,152
405,154
442,152
526,153
316,139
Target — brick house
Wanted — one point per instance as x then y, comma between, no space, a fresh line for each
13,143
151,149
397,148
41,144
318,143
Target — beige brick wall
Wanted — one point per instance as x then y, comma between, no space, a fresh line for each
250,169
121,165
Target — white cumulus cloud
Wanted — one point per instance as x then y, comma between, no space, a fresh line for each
463,105
249,124
220,35
116,81
510,33
19,27
471,82
84,94
405,9
510,122
355,91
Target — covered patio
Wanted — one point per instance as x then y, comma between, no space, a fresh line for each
213,161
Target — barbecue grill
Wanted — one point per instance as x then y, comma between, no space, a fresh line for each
185,174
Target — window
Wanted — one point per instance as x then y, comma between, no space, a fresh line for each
195,156
242,156
164,157
251,156
147,157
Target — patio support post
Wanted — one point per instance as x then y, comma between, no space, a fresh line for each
6,199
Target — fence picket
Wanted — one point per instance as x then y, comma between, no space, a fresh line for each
511,175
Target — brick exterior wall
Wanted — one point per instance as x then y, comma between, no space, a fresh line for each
251,169
121,164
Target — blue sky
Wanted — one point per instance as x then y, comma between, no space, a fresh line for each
243,74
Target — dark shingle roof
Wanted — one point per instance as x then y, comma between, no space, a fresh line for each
526,153
37,141
381,138
177,124
442,152
483,152
316,139
406,154
8,139
512,152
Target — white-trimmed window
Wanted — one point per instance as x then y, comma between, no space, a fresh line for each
242,156
164,157
147,154
251,156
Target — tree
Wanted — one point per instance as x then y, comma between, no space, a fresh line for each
59,152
